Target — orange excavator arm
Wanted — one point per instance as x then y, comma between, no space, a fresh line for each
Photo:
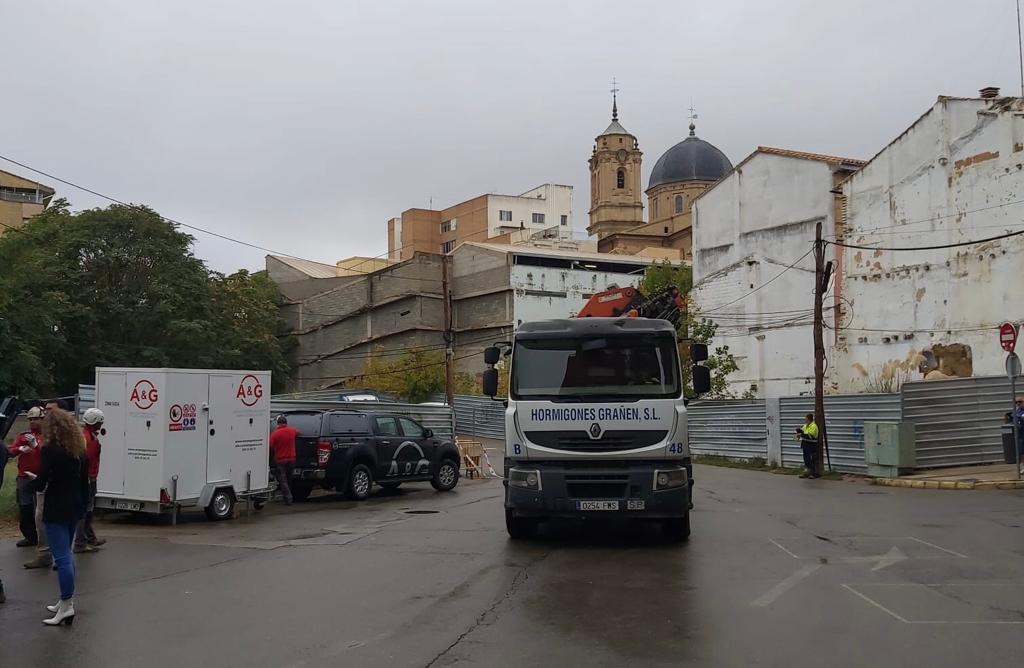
666,304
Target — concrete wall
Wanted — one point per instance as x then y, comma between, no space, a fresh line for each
956,175
768,206
772,346
542,293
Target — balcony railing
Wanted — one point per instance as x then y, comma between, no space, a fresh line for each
22,195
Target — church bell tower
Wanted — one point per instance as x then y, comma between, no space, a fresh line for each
615,192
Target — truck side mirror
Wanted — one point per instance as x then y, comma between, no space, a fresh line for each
490,382
491,355
701,379
698,352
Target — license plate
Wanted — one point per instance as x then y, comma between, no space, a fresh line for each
635,504
597,505
127,505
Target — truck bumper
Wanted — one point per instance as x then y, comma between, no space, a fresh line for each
566,487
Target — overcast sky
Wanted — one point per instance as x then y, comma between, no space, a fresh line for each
304,126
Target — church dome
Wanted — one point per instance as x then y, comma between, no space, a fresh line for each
692,159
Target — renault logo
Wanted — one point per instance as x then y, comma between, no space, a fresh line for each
595,430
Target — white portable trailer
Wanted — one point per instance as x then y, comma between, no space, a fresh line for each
178,438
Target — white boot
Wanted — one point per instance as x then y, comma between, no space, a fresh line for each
54,607
65,614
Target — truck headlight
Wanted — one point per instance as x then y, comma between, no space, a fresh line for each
670,478
524,478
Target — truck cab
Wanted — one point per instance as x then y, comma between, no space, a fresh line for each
350,450
595,424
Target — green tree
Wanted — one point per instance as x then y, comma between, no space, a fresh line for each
693,329
413,377
120,287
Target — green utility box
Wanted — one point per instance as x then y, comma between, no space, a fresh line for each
889,448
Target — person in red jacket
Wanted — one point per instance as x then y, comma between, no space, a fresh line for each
85,536
26,448
282,448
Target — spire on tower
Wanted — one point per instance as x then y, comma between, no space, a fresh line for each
693,117
615,101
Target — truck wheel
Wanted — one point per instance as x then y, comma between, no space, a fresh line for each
447,476
520,527
360,481
222,506
301,490
676,529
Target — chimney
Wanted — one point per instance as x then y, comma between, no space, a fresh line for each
989,92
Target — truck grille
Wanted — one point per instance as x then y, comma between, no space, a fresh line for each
596,486
611,440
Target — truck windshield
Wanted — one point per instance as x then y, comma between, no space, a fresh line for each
609,367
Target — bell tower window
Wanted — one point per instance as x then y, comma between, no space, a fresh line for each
620,179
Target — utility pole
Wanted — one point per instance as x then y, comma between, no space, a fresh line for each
819,346
449,336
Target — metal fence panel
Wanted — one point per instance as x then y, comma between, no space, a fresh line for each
957,421
480,416
86,398
732,428
845,415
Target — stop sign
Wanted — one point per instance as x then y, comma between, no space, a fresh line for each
1008,336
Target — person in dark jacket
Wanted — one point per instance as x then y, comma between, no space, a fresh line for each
64,481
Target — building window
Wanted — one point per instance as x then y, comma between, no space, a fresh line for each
679,203
565,220
620,179
654,207
449,225
505,216
447,247
666,230
538,218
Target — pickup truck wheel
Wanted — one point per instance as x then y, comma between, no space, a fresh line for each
300,490
360,481
676,529
222,506
447,476
520,527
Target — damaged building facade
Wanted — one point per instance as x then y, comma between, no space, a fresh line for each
956,175
340,322
757,225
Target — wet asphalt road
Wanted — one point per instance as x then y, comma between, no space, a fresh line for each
779,572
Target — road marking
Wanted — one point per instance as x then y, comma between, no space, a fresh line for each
893,556
924,542
781,588
876,604
778,545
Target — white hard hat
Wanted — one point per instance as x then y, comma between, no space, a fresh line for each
93,416
35,413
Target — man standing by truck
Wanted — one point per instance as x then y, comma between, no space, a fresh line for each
26,448
282,448
85,537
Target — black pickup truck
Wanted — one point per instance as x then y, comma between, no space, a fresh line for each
349,450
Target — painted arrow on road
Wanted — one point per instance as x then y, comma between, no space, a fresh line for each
893,556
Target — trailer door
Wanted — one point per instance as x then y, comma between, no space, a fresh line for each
111,397
144,435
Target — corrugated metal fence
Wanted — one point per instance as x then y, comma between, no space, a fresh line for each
845,415
479,416
957,421
729,428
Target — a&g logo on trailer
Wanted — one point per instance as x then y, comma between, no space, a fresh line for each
144,395
250,390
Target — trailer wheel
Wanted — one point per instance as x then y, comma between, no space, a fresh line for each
258,504
447,476
360,482
676,529
222,506
520,527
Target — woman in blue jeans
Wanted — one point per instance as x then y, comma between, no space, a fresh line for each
64,480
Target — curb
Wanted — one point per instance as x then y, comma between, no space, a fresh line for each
949,484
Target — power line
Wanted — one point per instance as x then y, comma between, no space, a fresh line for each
922,248
763,285
935,218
